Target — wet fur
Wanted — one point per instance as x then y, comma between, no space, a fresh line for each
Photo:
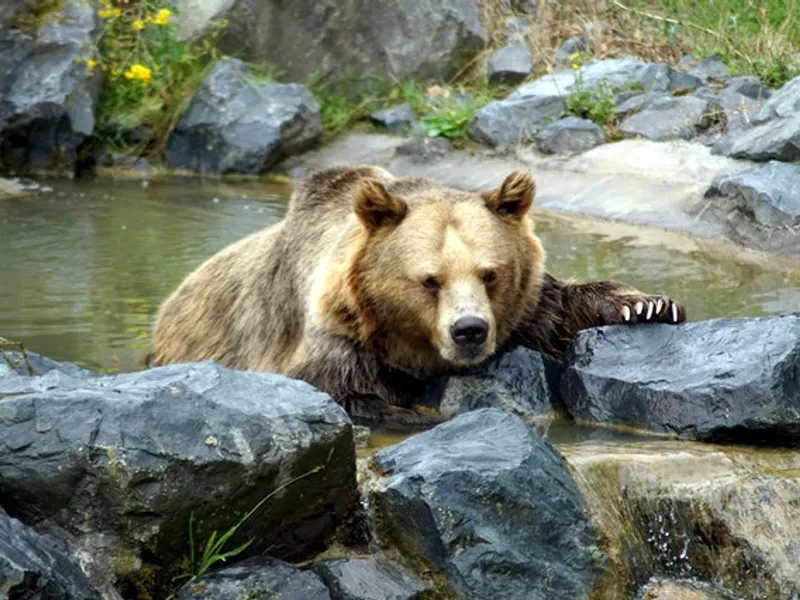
303,297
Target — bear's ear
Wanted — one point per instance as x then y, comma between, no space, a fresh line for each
376,207
514,196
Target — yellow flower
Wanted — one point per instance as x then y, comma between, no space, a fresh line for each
91,64
137,25
114,72
109,13
138,72
575,66
162,17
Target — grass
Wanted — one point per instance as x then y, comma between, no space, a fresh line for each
9,345
215,549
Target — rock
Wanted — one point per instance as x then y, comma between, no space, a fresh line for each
783,104
570,135
717,380
659,77
699,512
681,590
778,139
236,125
42,365
519,381
510,64
255,578
769,192
425,149
370,578
750,86
119,463
38,566
636,102
395,118
485,501
353,42
47,97
570,47
711,69
517,118
514,29
668,118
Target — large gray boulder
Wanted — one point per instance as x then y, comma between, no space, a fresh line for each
770,193
352,41
668,118
256,578
486,502
510,64
717,380
117,464
782,104
38,566
47,96
234,124
776,139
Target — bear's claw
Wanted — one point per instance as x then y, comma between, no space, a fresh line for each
647,309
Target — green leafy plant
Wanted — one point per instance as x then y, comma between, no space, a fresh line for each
149,73
214,550
596,104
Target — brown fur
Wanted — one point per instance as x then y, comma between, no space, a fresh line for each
356,290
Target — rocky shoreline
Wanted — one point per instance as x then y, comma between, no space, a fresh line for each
102,476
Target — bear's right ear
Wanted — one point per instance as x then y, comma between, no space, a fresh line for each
376,207
514,197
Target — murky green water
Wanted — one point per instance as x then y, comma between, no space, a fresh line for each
84,267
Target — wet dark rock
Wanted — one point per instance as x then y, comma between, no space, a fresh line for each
38,566
256,578
488,503
371,578
769,192
518,117
510,64
234,124
777,139
668,118
118,463
353,42
570,135
518,381
569,47
395,118
47,97
425,149
717,380
711,69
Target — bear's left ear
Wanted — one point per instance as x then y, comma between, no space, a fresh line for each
376,207
514,197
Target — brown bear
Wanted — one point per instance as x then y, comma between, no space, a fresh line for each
373,283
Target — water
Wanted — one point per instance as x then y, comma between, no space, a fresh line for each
85,266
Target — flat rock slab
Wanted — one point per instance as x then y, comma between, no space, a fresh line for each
121,462
371,578
256,578
488,503
395,118
38,566
717,380
770,193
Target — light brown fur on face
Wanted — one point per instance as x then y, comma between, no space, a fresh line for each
372,283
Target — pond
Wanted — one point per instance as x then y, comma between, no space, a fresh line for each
86,263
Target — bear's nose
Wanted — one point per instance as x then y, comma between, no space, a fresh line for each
469,331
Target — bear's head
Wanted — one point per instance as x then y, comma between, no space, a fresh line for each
441,277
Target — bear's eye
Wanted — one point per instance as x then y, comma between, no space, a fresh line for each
431,283
489,276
